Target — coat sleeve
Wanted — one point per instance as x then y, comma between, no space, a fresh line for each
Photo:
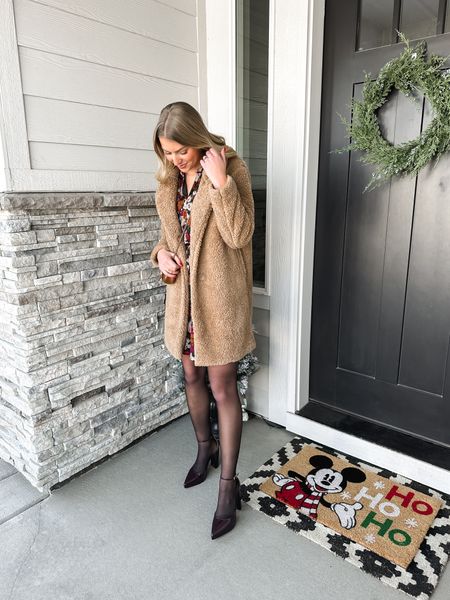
234,210
161,244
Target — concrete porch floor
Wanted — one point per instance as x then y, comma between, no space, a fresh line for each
128,530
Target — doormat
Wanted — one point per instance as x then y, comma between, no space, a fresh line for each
387,525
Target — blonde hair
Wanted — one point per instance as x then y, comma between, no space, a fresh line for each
182,123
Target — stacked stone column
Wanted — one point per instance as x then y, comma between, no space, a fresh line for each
83,368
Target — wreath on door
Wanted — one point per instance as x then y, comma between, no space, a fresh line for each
409,73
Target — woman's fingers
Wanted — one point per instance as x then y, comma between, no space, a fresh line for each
213,154
178,260
170,264
173,268
214,165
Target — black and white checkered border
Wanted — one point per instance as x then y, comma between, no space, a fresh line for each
418,580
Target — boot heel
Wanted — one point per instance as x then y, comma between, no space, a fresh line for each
215,457
238,495
193,477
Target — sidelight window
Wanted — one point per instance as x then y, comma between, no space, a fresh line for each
252,54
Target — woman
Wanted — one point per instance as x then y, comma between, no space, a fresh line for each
205,204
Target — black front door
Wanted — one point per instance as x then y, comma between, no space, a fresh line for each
381,294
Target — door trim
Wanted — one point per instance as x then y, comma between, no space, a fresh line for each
219,85
292,186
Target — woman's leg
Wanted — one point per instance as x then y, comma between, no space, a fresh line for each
198,403
223,381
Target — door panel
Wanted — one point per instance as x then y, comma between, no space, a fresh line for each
427,310
381,291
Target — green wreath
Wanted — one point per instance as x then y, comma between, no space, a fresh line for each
409,73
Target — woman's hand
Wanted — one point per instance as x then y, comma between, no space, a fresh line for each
169,263
215,166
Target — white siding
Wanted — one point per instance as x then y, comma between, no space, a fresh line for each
80,123
89,83
84,158
94,75
2,164
167,22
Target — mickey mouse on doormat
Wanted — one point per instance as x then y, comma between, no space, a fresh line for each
306,493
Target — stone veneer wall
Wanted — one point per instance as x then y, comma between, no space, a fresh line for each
83,369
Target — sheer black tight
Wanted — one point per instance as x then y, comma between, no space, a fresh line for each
223,382
198,403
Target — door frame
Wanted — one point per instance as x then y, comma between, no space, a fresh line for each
296,36
310,37
292,186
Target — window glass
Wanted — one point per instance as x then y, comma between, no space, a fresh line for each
252,92
419,18
375,23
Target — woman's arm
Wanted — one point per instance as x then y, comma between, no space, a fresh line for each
233,208
161,244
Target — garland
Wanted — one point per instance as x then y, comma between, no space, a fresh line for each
409,73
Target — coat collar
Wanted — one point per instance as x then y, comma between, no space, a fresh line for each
201,210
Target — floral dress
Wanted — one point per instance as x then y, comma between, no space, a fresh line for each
184,206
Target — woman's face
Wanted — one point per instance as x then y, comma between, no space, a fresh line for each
185,158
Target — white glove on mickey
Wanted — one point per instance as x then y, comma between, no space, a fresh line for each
346,513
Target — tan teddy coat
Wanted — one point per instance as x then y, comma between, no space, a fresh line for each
221,278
